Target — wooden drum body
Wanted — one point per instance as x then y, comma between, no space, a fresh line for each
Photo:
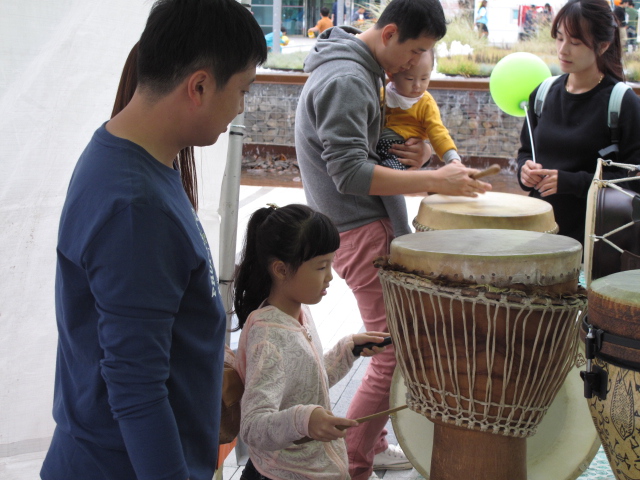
614,310
493,210
484,324
562,448
612,227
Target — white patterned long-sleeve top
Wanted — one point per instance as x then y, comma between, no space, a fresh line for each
286,377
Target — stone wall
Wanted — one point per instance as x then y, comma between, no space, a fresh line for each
478,127
269,113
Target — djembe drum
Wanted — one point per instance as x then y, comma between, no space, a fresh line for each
489,210
562,448
612,227
612,380
484,324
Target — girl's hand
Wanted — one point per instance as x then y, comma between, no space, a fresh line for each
323,425
530,174
413,153
548,185
367,337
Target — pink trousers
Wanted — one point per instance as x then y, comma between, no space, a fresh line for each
354,263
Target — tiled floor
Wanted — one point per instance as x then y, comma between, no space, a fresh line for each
337,315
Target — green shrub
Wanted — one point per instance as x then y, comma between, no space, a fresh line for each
459,65
632,70
286,61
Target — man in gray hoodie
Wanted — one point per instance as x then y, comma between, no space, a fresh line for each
338,123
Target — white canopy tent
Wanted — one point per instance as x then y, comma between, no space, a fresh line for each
60,64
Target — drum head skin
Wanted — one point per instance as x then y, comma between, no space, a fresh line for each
490,210
500,258
562,449
622,288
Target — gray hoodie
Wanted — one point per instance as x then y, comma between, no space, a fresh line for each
338,122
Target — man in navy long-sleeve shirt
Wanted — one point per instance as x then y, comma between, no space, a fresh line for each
140,321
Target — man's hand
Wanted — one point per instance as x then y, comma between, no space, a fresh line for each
455,179
414,153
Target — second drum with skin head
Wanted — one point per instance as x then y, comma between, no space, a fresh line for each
484,324
491,210
614,309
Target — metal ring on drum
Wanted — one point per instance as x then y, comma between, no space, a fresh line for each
485,329
614,317
493,210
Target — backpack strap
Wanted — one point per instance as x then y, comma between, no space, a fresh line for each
613,117
541,94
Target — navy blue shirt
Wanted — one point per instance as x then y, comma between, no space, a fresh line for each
140,321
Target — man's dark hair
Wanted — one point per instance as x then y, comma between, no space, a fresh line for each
183,36
324,11
415,18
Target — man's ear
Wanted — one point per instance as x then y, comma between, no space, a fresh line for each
197,84
388,31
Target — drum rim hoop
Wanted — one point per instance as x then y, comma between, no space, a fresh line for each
418,226
492,294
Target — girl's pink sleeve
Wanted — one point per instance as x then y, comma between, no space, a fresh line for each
339,360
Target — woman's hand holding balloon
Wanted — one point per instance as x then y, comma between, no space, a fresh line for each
548,185
530,174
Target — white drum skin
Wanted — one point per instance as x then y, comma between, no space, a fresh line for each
493,210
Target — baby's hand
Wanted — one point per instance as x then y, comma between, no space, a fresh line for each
323,425
369,337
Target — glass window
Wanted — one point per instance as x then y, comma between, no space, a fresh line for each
264,16
293,20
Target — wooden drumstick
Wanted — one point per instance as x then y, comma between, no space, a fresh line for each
359,420
492,170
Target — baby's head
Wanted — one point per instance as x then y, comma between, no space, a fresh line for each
412,83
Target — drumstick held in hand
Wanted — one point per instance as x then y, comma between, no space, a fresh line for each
359,420
492,170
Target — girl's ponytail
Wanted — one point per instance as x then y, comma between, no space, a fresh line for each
252,282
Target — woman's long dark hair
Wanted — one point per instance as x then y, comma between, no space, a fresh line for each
292,234
185,161
594,24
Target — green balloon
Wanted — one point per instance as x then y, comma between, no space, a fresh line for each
514,78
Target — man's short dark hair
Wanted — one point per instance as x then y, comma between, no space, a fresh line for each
324,11
183,36
415,18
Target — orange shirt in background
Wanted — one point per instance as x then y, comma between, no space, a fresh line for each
324,23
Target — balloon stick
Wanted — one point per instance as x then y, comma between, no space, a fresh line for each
526,114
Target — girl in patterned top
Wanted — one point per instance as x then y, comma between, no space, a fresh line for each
286,265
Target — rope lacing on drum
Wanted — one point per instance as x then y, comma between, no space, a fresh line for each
424,228
635,202
535,294
552,325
